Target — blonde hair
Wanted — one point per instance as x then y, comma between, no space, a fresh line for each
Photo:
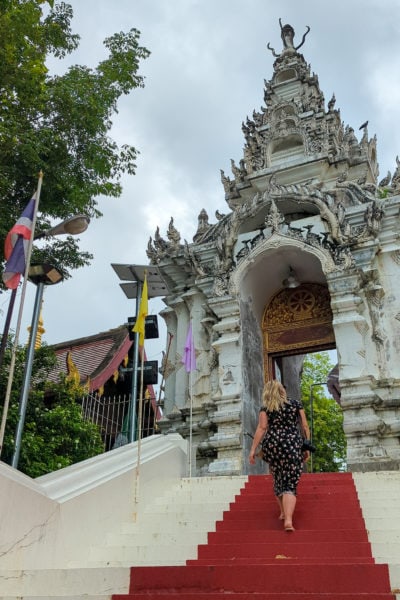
274,395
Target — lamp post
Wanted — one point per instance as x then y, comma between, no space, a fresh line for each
40,275
73,226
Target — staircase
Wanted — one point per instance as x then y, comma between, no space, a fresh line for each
249,555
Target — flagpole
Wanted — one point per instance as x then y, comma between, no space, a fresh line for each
190,421
140,417
189,360
20,311
6,329
140,330
135,357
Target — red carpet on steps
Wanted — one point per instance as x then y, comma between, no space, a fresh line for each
249,556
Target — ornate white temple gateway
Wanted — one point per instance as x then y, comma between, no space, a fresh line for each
306,258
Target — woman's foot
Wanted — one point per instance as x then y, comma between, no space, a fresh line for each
281,517
288,526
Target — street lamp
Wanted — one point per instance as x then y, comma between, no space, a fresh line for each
40,275
72,226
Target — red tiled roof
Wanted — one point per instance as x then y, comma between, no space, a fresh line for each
96,357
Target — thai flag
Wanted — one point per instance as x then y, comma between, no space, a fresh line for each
16,247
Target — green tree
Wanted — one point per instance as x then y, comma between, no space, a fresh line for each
55,434
326,418
59,123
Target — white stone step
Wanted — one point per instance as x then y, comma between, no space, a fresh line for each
53,597
394,573
66,583
212,484
196,491
384,523
387,551
375,499
175,554
161,524
182,510
380,536
172,525
162,538
374,511
371,477
182,498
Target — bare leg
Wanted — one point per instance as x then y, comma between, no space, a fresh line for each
289,504
281,513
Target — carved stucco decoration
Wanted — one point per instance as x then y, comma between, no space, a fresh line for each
173,235
336,248
396,177
395,256
337,240
287,35
277,240
202,225
157,248
296,318
196,267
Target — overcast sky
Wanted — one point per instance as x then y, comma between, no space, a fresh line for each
208,62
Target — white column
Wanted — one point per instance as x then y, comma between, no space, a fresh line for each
182,315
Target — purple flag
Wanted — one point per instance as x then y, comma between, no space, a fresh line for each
189,353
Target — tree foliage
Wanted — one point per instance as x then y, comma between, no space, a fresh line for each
324,415
59,123
55,434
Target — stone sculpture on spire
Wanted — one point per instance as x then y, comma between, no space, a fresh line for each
287,35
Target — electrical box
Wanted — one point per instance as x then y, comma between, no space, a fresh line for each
150,327
150,372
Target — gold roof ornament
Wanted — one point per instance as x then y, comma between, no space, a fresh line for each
72,370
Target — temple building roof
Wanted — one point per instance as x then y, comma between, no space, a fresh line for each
93,358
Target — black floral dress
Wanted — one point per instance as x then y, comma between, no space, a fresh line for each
282,447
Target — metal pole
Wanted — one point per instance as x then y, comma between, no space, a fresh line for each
312,414
132,404
190,422
6,329
27,373
311,423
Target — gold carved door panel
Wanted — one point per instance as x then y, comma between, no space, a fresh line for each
296,321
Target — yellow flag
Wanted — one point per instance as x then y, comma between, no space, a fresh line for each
143,310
